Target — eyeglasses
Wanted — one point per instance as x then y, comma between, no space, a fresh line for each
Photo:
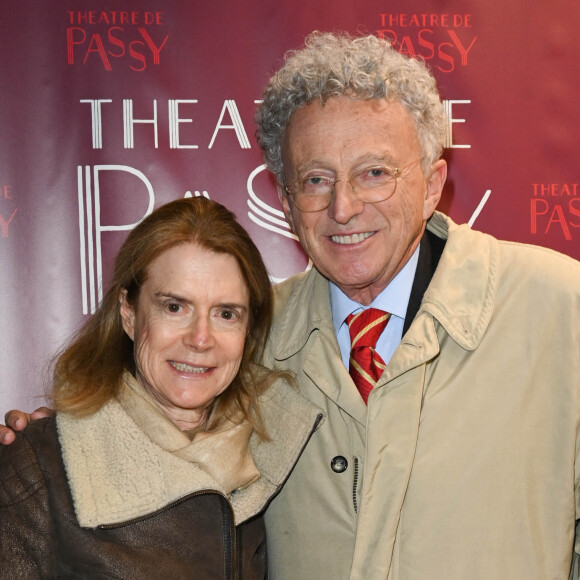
371,184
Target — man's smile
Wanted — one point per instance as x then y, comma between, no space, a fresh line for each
353,238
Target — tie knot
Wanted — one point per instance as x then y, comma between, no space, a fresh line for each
366,326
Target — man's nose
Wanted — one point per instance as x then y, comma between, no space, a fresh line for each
345,202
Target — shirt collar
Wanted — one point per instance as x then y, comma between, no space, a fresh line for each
394,298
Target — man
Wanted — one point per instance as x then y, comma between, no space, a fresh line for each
461,464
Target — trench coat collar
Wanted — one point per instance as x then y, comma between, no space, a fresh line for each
463,289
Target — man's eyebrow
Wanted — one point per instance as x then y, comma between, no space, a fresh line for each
374,157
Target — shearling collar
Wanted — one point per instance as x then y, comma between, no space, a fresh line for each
117,472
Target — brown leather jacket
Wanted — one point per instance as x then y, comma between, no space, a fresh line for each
40,537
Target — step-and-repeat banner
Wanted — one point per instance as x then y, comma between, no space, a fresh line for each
109,109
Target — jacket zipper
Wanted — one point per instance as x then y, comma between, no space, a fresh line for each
233,546
355,485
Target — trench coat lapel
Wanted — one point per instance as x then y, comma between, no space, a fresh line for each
306,325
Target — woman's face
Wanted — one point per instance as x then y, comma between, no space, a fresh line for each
189,328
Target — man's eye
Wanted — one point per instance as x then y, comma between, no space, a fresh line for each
228,314
315,184
376,174
373,176
173,307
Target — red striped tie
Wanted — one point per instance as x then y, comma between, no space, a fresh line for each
366,366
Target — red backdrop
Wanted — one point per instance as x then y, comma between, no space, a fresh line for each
107,112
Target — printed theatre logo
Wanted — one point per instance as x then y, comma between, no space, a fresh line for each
442,40
115,37
555,209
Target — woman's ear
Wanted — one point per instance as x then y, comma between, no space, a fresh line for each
127,314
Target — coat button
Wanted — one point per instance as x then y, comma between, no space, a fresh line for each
339,464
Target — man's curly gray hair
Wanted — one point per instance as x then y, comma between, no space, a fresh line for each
360,68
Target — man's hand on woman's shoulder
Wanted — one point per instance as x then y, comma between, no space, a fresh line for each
17,421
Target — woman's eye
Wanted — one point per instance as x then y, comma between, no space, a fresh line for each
228,314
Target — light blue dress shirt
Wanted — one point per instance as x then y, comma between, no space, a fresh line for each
394,299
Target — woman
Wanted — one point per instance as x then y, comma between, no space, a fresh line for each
169,437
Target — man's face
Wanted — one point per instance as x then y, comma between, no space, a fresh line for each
359,246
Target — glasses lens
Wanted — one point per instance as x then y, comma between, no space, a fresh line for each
313,193
374,184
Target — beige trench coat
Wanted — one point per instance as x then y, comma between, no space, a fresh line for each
464,466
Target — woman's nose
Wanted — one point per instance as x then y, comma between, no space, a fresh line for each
198,334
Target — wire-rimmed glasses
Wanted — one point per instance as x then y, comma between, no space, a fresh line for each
371,184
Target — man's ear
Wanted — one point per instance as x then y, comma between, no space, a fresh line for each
435,183
285,206
127,314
